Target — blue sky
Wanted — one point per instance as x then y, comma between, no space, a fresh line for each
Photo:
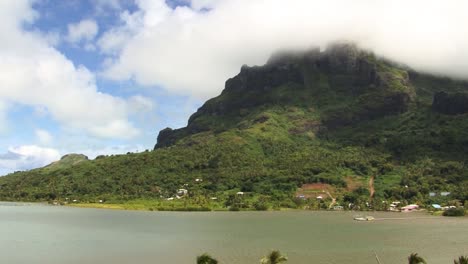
104,76
32,137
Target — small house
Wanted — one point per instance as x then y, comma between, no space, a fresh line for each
394,206
182,192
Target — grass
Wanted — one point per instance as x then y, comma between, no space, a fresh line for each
105,206
141,205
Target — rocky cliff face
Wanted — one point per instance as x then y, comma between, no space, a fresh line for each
369,87
450,104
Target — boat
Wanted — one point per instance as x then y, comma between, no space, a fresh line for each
367,218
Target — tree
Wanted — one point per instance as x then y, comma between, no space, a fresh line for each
274,257
415,259
206,259
461,260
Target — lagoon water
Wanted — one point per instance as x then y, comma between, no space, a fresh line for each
45,234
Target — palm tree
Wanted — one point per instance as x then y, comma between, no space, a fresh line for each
274,257
206,259
461,260
415,259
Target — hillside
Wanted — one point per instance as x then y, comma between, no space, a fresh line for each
336,118
66,161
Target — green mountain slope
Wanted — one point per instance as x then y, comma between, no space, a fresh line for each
66,161
337,117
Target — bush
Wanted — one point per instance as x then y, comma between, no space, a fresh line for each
454,212
260,206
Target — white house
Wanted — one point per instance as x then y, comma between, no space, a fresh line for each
182,192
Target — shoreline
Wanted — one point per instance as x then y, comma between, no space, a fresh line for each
141,207
123,207
145,208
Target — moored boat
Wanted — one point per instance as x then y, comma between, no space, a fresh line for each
367,218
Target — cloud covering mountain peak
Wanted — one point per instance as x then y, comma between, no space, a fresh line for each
193,49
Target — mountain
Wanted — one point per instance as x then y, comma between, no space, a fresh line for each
67,161
342,86
361,127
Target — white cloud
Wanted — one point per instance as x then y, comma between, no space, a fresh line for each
140,104
112,41
3,116
35,74
27,157
85,30
194,52
115,39
43,136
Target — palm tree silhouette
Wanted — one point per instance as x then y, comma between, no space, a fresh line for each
206,259
415,259
274,257
461,260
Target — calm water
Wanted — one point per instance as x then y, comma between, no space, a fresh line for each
46,234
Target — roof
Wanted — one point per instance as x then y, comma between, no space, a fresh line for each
436,206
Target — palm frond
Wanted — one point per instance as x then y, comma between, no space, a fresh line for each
206,259
415,259
461,260
274,257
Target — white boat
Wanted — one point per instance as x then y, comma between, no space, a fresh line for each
367,218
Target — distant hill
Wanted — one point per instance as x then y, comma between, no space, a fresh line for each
338,117
67,161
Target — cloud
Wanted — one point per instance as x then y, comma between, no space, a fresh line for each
190,50
29,157
33,73
85,30
201,4
140,104
3,116
26,157
113,40
44,137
